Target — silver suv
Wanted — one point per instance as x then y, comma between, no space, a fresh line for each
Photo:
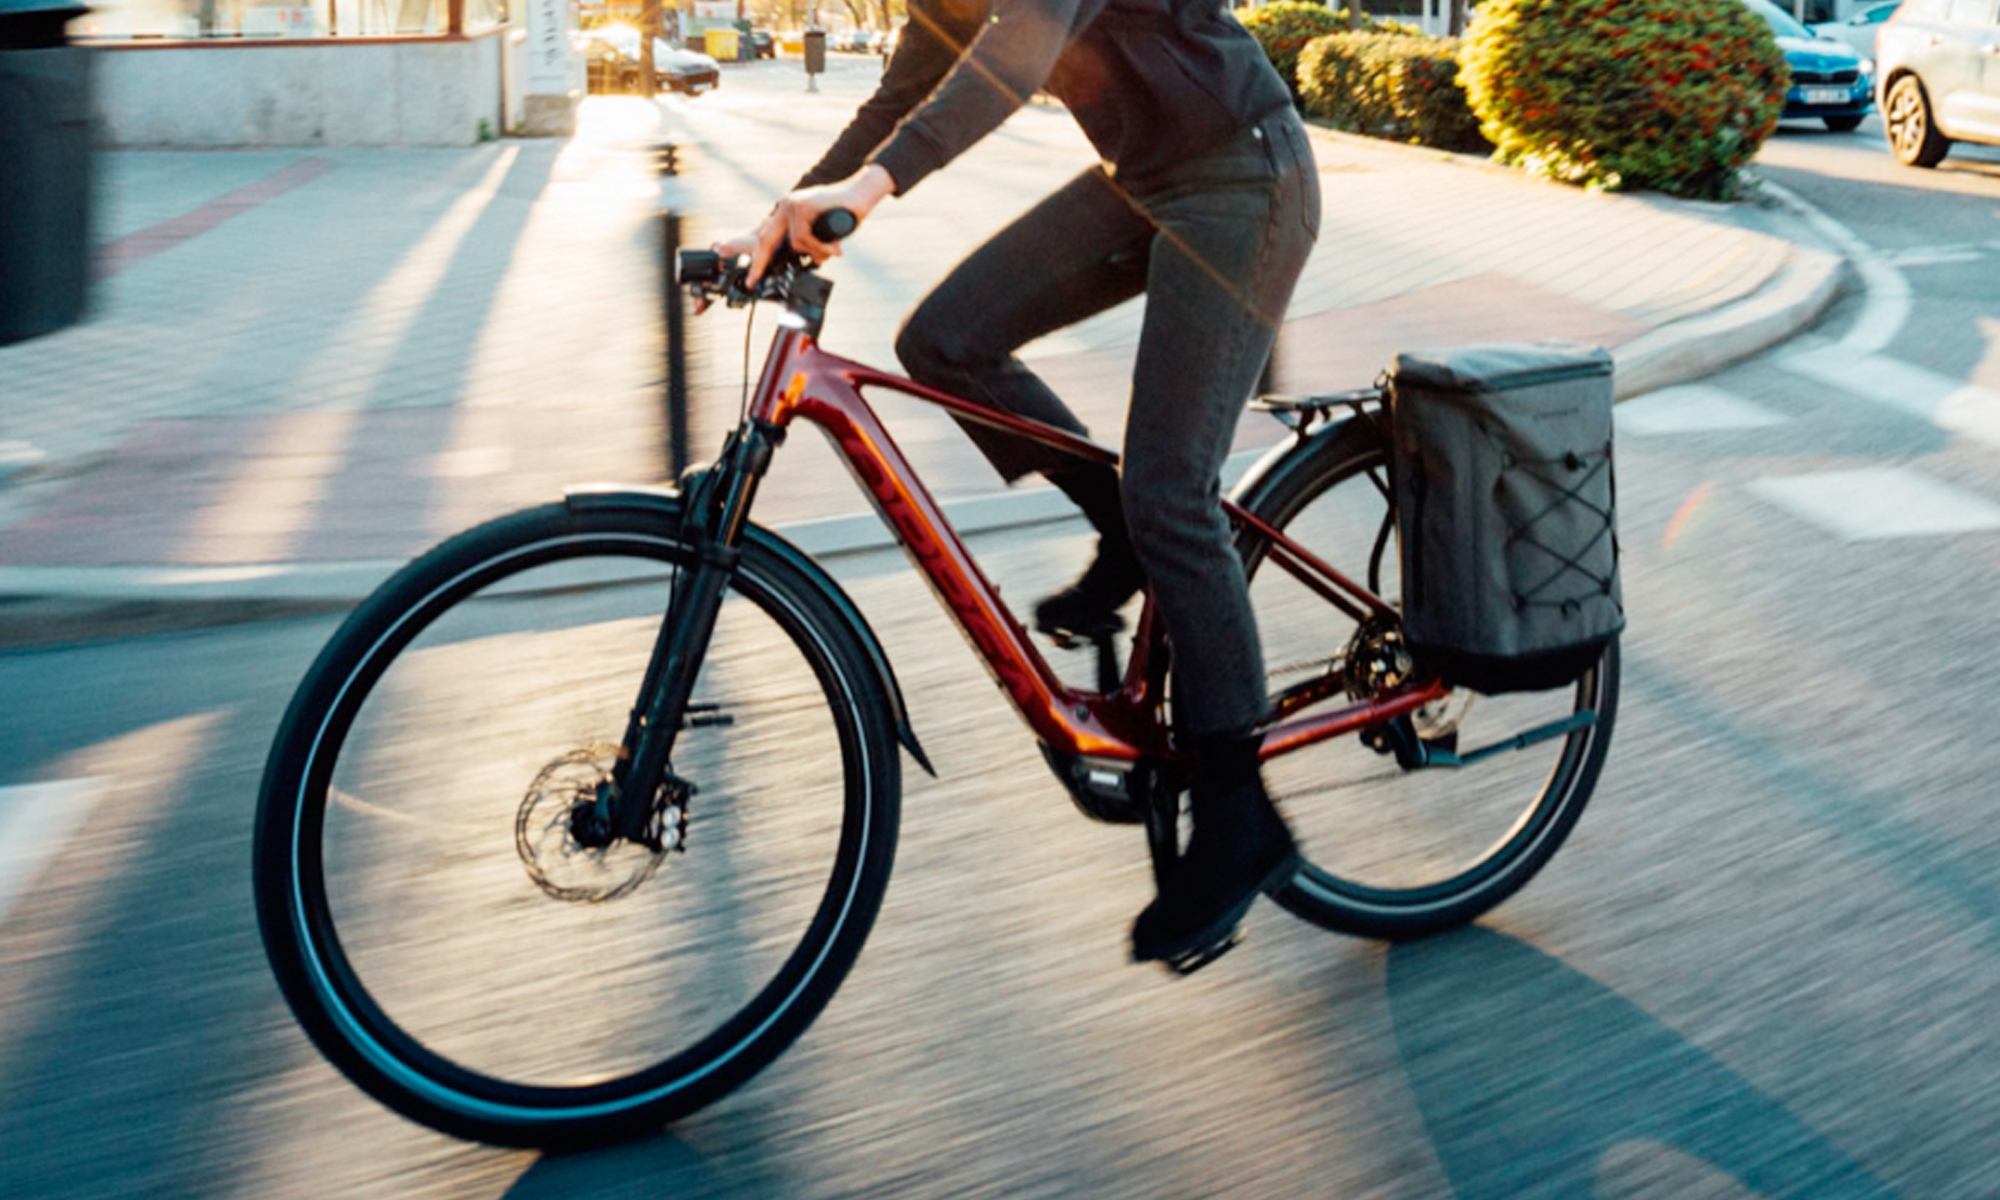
1938,70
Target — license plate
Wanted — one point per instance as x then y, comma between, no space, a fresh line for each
1826,95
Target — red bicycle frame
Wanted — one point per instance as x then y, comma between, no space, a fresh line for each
803,382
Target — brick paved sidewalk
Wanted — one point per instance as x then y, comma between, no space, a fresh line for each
340,355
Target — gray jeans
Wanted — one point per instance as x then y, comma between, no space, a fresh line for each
1215,245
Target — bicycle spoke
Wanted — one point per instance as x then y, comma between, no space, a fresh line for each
1392,848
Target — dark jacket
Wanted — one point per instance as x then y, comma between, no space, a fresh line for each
1152,82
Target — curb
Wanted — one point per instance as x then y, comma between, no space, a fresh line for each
44,606
53,606
1790,303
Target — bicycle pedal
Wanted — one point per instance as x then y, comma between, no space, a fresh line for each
1195,960
1076,639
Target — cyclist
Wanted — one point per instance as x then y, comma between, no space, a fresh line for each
1207,203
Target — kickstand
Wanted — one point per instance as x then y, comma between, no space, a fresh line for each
1163,832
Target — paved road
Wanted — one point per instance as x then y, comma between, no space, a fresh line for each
1765,964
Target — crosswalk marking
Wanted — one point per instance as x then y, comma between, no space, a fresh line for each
1857,505
1878,502
36,819
1963,408
1693,408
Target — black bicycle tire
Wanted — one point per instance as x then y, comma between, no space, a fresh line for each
1316,464
365,1047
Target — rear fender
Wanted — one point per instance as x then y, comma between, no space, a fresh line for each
1302,452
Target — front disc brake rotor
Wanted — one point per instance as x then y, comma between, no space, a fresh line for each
562,830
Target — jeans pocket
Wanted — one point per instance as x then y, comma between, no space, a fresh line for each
1306,172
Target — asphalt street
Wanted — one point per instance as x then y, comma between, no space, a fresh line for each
1764,965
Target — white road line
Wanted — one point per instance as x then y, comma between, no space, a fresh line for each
1856,363
1691,408
1937,256
1887,307
1963,408
36,819
1878,503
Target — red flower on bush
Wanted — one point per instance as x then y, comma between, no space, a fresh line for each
1673,95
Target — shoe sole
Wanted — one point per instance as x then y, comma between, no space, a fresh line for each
1185,956
1069,639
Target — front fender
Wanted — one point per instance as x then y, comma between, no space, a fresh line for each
666,504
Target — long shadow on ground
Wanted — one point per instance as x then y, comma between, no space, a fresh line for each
1534,1079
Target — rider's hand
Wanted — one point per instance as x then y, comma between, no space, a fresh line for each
736,247
793,218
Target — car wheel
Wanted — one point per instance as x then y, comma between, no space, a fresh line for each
1843,124
1913,137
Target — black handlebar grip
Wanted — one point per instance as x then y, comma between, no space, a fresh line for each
834,224
700,266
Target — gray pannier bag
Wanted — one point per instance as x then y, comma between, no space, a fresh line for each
1506,513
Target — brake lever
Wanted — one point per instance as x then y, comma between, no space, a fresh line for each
776,284
706,276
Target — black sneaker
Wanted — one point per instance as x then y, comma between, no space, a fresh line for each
1088,608
1240,847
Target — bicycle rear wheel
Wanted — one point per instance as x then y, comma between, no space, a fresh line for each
1394,853
429,912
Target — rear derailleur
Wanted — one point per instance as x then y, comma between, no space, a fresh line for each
1379,660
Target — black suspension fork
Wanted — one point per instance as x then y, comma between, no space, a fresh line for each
717,508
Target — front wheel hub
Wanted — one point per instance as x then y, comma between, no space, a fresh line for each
565,835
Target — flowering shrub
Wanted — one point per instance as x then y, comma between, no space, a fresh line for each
1389,85
1672,95
1285,26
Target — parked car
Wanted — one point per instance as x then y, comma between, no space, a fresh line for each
607,69
686,71
1940,72
611,61
1858,32
763,43
1830,81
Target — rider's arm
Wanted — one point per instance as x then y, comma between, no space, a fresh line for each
936,35
1006,60
1009,59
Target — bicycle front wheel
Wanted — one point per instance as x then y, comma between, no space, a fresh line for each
1394,853
434,919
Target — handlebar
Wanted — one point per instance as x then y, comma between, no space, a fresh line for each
707,275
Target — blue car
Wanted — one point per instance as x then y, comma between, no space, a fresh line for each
1830,82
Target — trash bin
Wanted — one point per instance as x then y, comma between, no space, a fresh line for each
45,146
720,44
815,51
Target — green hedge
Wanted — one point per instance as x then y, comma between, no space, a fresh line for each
1672,95
1284,27
1397,85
